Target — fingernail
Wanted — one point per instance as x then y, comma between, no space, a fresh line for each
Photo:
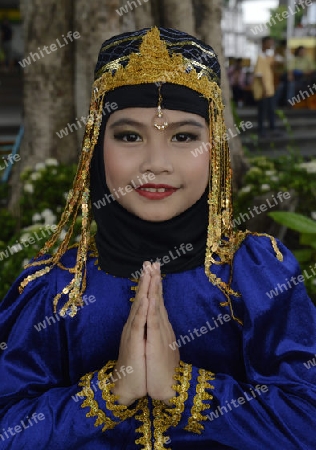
147,267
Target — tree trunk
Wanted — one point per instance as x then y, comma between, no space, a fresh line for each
144,16
48,86
96,21
48,80
179,15
210,31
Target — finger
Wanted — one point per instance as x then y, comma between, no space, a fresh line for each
153,320
144,280
137,309
142,291
155,288
137,324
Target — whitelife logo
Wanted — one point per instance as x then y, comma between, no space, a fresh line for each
9,160
33,57
279,17
129,6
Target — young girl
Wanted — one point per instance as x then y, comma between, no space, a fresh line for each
162,332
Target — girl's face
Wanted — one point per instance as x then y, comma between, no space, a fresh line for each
154,174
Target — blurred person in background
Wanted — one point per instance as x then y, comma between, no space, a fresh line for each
301,67
263,86
236,77
281,73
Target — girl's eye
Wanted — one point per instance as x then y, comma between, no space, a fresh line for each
128,137
184,137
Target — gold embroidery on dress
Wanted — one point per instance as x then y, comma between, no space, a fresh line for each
122,412
274,244
193,422
165,416
134,288
90,402
145,428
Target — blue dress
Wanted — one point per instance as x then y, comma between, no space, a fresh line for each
250,363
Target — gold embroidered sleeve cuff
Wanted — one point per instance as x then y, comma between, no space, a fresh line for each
100,383
165,416
194,424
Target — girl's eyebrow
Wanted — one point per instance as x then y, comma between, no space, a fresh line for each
172,125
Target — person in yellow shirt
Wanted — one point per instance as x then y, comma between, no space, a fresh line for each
263,86
300,68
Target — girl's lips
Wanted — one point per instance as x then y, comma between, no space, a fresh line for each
156,191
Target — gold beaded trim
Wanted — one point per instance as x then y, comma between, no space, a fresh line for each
193,422
91,403
134,288
165,417
273,243
160,425
145,428
122,412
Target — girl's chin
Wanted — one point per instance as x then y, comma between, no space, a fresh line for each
155,215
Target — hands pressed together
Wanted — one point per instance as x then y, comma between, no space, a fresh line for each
145,344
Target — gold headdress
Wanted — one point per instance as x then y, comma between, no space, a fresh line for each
152,63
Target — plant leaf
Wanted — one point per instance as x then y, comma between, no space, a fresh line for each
295,221
304,255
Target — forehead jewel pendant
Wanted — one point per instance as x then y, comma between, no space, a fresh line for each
159,122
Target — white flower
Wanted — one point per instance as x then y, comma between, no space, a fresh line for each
245,189
25,237
39,166
270,172
310,167
265,187
50,220
46,212
25,261
36,218
49,217
274,178
35,176
51,162
62,235
313,215
28,187
314,281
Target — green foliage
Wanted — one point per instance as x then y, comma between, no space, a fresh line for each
4,193
48,186
286,174
8,225
307,255
296,222
45,189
